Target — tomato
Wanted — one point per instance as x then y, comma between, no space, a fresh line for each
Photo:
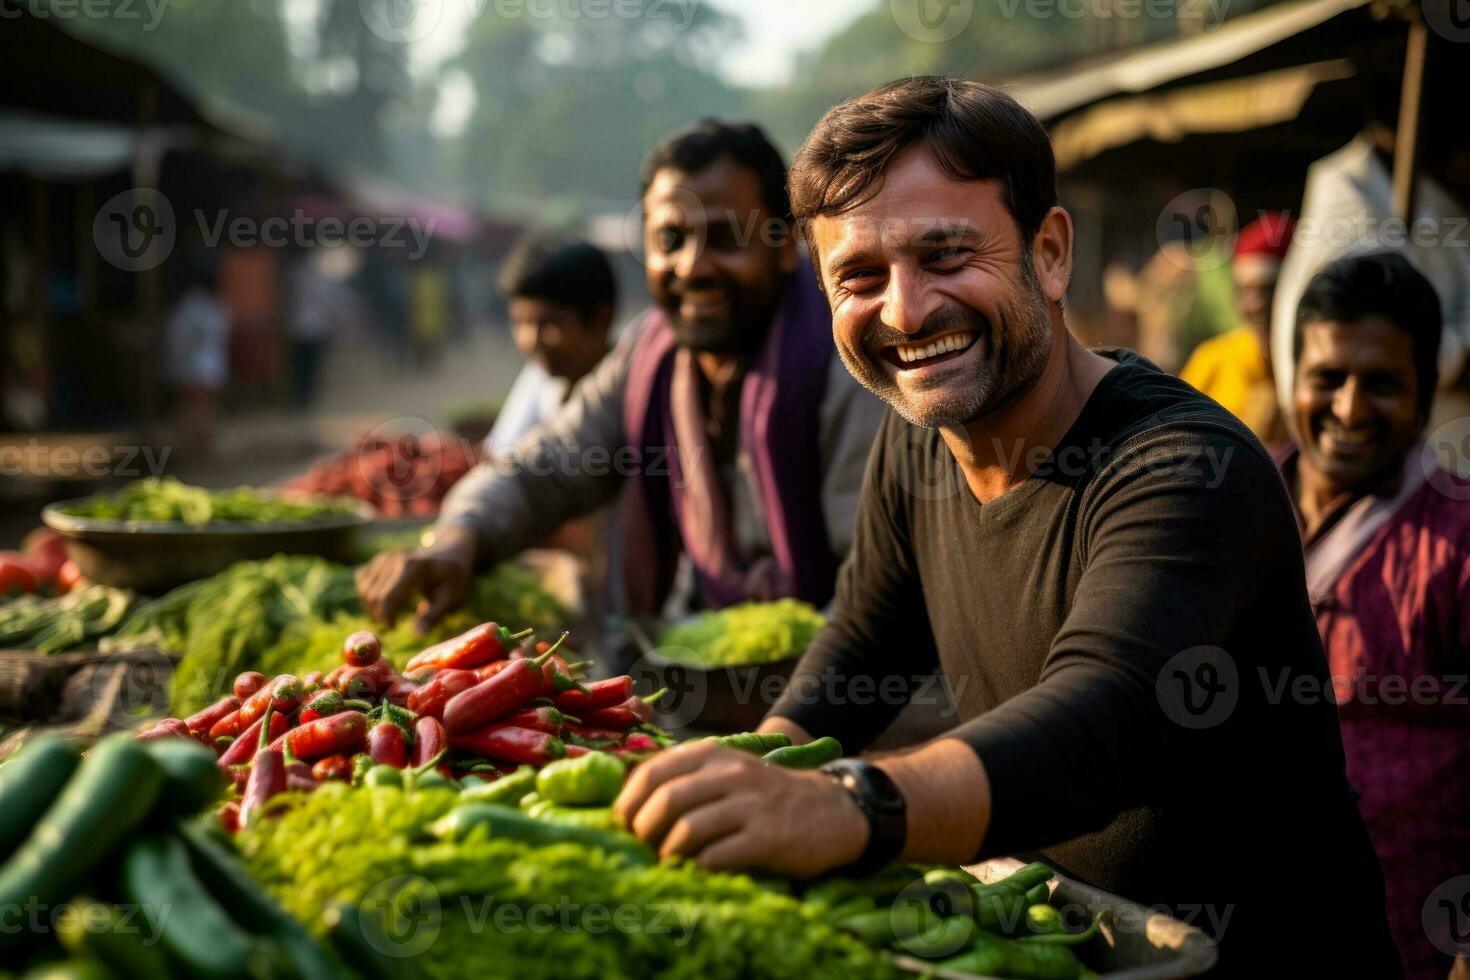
68,577
46,550
15,573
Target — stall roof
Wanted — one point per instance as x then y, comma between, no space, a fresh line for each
1052,94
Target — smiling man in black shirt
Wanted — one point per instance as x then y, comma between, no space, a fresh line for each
1103,562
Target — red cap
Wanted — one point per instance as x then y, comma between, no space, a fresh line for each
1270,234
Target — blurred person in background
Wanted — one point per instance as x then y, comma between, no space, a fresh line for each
198,355
1235,367
1387,539
316,306
723,422
561,297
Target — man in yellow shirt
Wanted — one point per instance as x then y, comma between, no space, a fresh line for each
1235,368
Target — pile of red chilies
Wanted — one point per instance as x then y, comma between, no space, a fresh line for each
477,704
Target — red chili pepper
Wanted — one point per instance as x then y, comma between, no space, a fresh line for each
333,676
267,778
243,748
229,817
591,734
203,721
344,732
507,743
333,767
634,711
313,680
473,648
430,698
491,669
387,745
168,728
399,691
281,694
226,727
267,773
642,742
542,719
248,683
429,740
361,648
576,751
600,694
496,696
322,705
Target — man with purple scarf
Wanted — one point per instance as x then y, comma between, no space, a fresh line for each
723,423
1387,538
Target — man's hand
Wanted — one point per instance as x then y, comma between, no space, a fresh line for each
441,573
733,812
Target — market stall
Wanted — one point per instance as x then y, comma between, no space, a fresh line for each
303,794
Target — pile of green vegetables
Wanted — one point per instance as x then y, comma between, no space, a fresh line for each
112,878
288,614
455,888
169,501
748,633
64,622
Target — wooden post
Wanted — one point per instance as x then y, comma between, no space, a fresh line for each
1410,129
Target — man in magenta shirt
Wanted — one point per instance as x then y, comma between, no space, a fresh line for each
1387,538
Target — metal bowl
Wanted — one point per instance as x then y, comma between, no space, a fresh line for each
155,556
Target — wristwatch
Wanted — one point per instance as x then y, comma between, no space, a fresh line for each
881,803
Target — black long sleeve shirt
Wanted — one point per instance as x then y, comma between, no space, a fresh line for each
1115,632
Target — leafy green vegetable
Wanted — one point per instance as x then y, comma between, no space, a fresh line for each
494,907
748,633
169,501
64,622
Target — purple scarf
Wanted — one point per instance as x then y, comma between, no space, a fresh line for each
676,503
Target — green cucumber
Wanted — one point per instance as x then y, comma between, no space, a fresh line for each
29,782
223,874
194,930
113,791
98,931
192,777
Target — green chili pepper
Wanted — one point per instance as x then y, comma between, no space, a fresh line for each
361,764
383,775
993,956
1059,936
508,789
945,938
595,817
593,779
1044,919
1001,907
756,743
809,756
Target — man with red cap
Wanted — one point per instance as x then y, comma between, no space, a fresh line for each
1235,367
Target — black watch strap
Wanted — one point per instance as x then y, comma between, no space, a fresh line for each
881,803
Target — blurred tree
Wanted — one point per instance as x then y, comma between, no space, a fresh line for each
566,109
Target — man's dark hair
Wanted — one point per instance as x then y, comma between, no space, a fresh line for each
975,131
1386,284
691,149
561,270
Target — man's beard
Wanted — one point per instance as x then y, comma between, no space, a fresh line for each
1011,359
741,332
